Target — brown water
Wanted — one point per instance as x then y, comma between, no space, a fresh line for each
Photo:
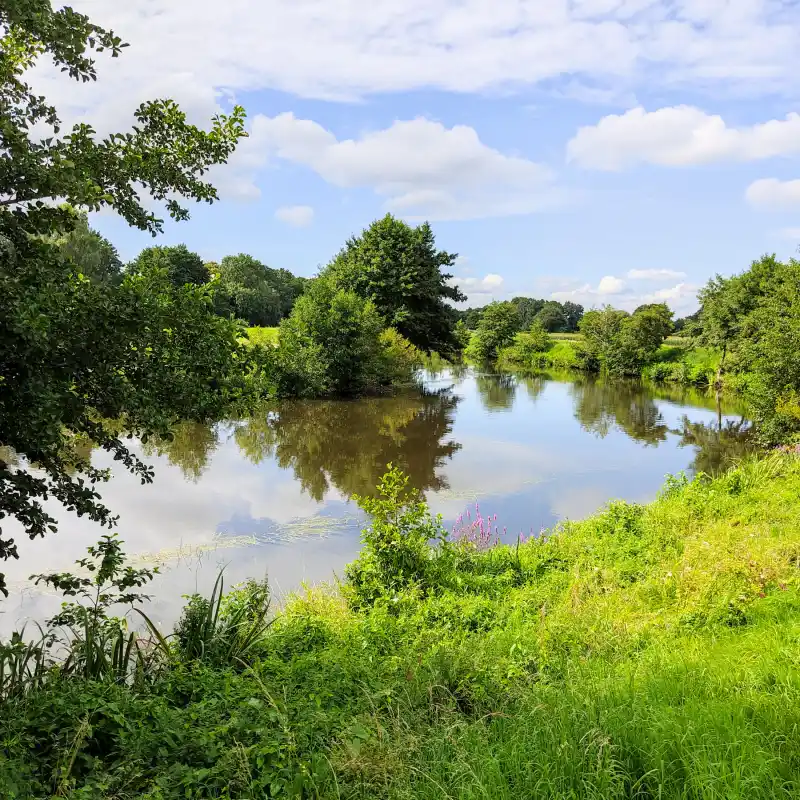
271,494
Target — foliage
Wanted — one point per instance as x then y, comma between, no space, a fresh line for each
399,270
551,317
463,335
752,319
400,358
100,647
623,343
181,265
254,292
653,647
222,630
331,343
396,553
72,350
496,329
87,252
145,352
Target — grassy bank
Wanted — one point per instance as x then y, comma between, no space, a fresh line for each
645,652
676,361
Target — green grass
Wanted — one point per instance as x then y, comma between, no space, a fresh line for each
262,337
646,652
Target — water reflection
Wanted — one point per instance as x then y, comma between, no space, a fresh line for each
497,392
274,490
191,448
717,445
347,445
601,405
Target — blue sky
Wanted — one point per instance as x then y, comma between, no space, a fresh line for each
597,150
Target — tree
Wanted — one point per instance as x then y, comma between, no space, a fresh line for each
398,268
573,312
499,323
330,344
724,304
181,264
73,351
552,317
87,252
624,343
527,308
244,289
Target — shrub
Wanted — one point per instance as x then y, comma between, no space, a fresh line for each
396,553
400,358
496,329
331,343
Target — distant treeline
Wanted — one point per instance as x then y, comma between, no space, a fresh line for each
245,288
552,316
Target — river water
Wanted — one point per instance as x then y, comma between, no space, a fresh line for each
269,495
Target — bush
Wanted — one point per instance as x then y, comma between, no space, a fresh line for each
400,358
331,343
496,329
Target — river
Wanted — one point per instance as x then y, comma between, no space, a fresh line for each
269,495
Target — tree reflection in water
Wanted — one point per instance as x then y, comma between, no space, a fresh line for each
346,445
497,392
718,445
602,404
190,448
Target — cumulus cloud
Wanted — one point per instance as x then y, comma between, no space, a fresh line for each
296,216
772,193
334,50
679,136
611,290
479,291
654,274
421,168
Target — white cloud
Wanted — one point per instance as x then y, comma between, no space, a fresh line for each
654,274
614,291
610,285
479,291
296,216
679,136
339,50
773,193
422,168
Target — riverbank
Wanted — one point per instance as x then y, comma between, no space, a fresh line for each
646,651
675,361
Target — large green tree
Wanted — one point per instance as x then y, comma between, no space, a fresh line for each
182,266
75,352
623,343
400,270
552,317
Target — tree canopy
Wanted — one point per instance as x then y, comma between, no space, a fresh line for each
399,269
181,265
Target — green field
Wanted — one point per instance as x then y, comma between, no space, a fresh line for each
262,336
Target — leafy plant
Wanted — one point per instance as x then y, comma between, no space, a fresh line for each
224,630
99,646
397,550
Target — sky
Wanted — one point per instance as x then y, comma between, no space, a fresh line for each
599,151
